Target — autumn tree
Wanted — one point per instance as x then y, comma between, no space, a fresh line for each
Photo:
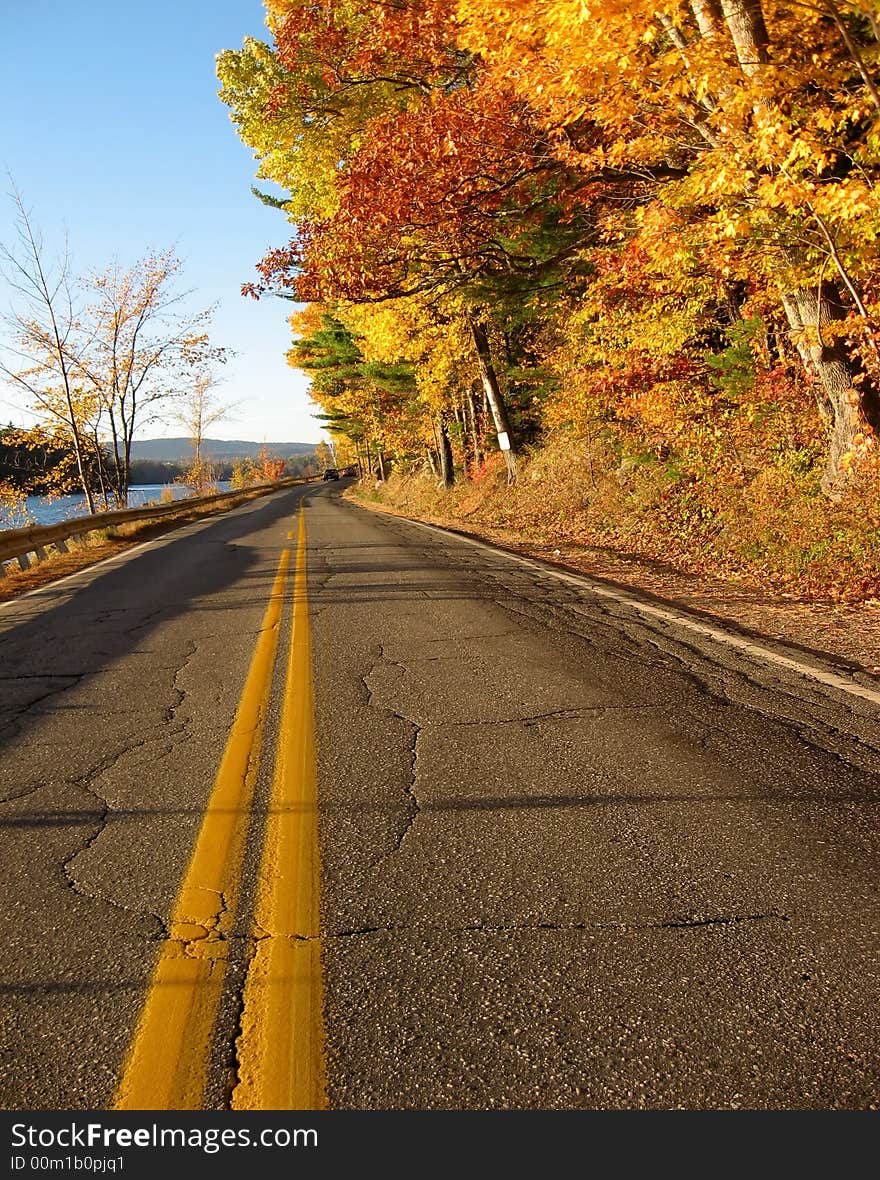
262,468
269,467
658,221
324,455
768,113
100,357
146,348
39,460
42,356
430,343
435,183
199,409
363,397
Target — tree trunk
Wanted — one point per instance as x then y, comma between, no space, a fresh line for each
437,453
708,16
846,405
80,462
447,468
117,461
475,433
432,462
100,467
461,422
81,468
494,397
745,20
461,415
126,471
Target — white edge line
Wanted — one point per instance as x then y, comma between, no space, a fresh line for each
756,650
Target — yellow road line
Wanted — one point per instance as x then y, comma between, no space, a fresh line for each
169,1056
281,1046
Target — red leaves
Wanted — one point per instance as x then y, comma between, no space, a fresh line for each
411,42
453,181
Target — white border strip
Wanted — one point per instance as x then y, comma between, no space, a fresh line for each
665,615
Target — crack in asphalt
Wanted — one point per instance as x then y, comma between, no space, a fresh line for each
618,646
260,936
810,736
170,738
150,617
412,806
236,1025
40,676
191,648
101,820
575,713
17,714
681,658
453,639
14,796
202,937
809,730
680,923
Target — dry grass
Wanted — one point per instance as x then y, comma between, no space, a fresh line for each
772,530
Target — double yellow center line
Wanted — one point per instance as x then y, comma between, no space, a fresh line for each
280,1048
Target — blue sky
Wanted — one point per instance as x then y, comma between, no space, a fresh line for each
111,128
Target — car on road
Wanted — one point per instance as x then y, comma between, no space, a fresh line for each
331,473
350,470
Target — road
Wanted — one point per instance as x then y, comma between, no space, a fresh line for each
571,856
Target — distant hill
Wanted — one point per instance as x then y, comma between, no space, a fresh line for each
179,450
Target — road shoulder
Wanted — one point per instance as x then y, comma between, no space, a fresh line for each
845,634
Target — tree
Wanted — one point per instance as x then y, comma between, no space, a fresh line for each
324,455
45,353
36,461
265,468
199,409
269,467
102,357
608,196
143,353
769,114
444,185
244,473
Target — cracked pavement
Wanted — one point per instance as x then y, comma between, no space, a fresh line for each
573,860
118,688
570,858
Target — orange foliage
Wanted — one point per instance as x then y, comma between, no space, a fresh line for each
667,217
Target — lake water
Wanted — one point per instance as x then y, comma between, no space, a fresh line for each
42,510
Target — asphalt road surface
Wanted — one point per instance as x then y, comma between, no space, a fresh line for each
570,856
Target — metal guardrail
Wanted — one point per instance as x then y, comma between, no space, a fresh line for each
25,544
